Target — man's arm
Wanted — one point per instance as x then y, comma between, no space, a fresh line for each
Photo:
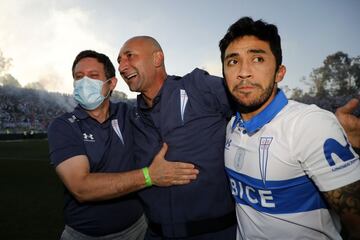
350,123
86,186
346,202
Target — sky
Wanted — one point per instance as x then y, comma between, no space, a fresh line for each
42,37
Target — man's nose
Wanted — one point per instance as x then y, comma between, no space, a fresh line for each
123,65
244,70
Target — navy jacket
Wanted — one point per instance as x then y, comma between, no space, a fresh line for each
190,114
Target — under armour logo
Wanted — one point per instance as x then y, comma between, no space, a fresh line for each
137,115
72,119
227,143
88,137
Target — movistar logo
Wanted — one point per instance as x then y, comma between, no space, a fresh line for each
333,147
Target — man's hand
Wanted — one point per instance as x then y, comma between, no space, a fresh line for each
345,201
164,173
350,123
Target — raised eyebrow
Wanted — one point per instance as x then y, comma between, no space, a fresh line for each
119,57
78,74
231,55
92,72
124,53
256,51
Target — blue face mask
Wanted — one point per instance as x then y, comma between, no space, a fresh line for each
87,92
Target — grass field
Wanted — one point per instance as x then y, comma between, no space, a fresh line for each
31,195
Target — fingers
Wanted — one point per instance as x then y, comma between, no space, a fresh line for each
184,176
163,150
170,173
183,165
180,182
187,177
180,169
183,179
167,173
185,170
349,107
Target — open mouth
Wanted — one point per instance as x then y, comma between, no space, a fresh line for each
130,76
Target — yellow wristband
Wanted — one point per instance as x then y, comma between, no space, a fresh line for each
147,177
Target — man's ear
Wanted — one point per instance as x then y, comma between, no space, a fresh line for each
113,83
158,58
280,73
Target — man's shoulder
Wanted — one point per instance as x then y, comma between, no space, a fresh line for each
120,106
201,73
122,109
65,119
300,116
202,81
301,110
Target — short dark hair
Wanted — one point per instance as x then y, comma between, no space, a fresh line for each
102,58
246,26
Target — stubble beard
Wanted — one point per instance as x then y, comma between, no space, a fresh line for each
133,85
244,106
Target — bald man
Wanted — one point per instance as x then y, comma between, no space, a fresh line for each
190,114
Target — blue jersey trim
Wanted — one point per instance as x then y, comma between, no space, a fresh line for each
265,116
276,197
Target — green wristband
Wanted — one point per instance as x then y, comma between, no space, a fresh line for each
147,177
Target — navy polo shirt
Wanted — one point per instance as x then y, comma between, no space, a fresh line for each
190,114
108,147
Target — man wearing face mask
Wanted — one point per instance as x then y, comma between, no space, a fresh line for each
91,149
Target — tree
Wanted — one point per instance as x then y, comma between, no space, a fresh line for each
35,85
5,78
355,71
332,84
319,83
339,76
4,63
9,80
297,93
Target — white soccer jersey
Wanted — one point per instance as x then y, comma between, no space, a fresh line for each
278,161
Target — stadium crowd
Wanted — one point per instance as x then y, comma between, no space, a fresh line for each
29,111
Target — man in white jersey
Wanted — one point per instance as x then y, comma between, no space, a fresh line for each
292,171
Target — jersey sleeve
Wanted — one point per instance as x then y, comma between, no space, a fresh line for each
212,90
321,146
64,141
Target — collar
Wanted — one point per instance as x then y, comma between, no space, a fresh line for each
81,113
142,104
265,116
140,100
